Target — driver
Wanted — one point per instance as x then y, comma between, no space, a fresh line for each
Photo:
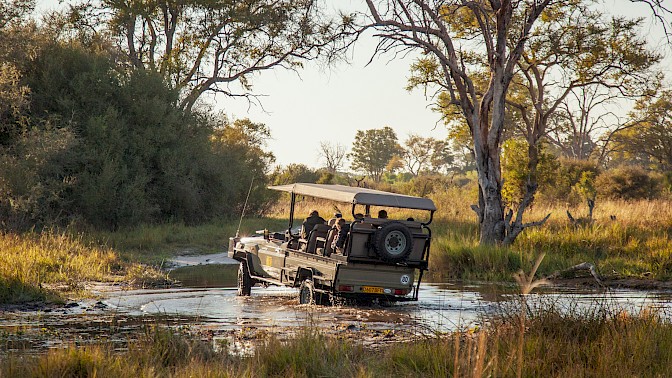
313,219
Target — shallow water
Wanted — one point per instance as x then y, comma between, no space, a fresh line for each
209,304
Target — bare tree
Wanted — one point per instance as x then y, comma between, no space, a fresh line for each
424,154
333,154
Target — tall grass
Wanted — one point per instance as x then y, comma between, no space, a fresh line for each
31,262
630,239
637,243
556,344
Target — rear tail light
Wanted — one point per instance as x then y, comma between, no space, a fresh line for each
346,288
400,291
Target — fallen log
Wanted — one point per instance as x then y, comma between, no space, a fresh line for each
583,266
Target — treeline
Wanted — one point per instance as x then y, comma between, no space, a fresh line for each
423,166
85,139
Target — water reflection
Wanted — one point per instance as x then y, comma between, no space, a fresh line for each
442,307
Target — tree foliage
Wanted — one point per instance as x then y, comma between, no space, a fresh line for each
425,154
571,182
628,183
373,150
293,173
516,174
13,12
115,150
205,46
649,140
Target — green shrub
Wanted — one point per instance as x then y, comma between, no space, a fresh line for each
563,185
115,150
516,174
627,183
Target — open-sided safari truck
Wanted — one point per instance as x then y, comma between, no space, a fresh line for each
381,259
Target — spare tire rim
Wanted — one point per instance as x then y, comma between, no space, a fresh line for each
395,243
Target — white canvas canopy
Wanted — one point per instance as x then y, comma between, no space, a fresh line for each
357,196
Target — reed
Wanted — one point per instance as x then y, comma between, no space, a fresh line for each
557,343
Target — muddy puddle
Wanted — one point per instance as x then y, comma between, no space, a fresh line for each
206,304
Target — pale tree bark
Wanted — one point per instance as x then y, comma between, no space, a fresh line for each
566,57
426,25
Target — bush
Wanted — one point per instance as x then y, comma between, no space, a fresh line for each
114,150
425,185
627,183
516,174
563,186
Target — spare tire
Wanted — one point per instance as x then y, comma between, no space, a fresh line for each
393,241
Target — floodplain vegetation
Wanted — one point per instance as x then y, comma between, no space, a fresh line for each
554,344
623,240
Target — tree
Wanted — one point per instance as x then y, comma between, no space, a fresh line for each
579,63
572,49
373,149
575,127
294,173
500,29
649,143
204,46
472,53
333,155
115,150
423,154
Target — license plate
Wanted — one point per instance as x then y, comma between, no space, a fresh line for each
372,289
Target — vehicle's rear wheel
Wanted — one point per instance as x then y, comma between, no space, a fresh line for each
307,292
393,241
244,280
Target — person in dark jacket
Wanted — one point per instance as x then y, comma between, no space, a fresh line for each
313,219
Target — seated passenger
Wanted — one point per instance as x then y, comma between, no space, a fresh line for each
332,221
339,240
382,214
313,219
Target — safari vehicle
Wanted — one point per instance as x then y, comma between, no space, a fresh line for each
382,259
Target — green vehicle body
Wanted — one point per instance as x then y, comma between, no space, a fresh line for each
382,259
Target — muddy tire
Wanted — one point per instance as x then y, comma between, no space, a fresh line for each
393,241
244,280
307,292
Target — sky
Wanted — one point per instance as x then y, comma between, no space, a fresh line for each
330,104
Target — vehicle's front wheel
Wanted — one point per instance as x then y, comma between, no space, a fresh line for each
244,280
307,292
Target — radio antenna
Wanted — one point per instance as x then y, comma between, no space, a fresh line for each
244,207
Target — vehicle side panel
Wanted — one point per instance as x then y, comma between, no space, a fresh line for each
323,268
384,276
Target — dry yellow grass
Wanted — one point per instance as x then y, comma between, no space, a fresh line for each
29,263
